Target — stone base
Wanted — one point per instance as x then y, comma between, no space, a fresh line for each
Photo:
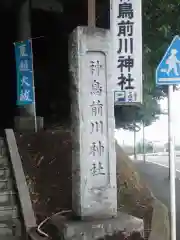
22,123
88,230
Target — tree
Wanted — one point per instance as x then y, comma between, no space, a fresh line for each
148,147
147,113
177,147
166,147
161,22
157,35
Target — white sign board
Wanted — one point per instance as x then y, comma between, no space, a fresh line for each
126,30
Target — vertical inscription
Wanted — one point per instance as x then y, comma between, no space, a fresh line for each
128,50
97,153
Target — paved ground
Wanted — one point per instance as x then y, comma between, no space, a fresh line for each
162,160
156,176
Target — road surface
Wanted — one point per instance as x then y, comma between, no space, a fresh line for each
155,173
161,160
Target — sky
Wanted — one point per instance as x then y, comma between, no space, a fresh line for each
158,131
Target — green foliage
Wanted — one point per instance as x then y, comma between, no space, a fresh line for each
161,22
166,146
177,148
126,116
148,147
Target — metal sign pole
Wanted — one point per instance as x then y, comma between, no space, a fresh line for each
34,102
33,82
144,153
167,73
91,13
135,155
169,157
172,166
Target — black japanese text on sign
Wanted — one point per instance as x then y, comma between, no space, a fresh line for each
125,49
97,111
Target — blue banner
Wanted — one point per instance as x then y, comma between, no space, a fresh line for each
24,70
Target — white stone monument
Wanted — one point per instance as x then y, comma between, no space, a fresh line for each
93,124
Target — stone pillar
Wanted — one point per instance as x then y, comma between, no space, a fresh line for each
94,158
